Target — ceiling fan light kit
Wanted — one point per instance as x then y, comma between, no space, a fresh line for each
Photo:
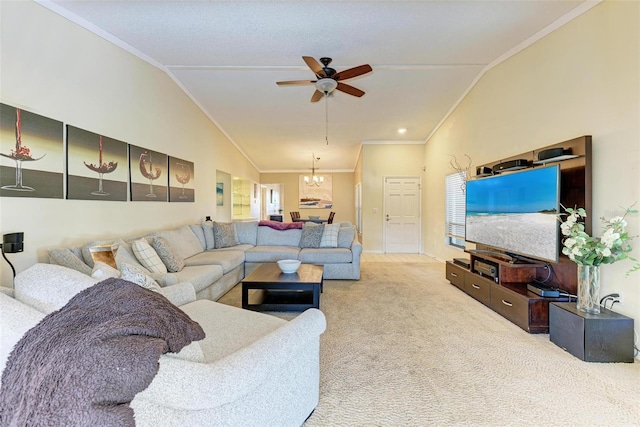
328,79
326,85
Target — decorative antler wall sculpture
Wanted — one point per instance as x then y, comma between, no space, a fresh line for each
462,170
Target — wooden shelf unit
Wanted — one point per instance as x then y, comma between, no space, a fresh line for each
507,293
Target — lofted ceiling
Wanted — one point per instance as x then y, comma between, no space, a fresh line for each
228,56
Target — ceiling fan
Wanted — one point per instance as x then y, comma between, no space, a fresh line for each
329,79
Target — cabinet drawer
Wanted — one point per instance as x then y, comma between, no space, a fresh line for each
455,275
511,305
478,287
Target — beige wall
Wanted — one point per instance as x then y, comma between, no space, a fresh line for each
69,74
583,79
343,195
380,161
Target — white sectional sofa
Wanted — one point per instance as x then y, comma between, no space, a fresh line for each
252,369
218,256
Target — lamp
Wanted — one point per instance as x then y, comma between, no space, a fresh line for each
314,180
12,243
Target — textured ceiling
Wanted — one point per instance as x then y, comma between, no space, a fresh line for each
228,55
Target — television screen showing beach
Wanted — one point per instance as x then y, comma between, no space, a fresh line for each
516,212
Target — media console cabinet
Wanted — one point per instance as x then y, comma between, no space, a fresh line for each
507,294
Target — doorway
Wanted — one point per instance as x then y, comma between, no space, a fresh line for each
402,231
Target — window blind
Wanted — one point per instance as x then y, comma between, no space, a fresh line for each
455,209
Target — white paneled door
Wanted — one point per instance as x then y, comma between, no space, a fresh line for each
402,215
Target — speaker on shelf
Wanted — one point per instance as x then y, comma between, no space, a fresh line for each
483,171
511,165
552,152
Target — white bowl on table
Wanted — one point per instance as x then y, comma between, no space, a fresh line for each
314,216
289,265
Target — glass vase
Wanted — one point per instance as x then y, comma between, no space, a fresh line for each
588,289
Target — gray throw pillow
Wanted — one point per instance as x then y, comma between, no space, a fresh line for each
207,228
311,235
167,254
224,234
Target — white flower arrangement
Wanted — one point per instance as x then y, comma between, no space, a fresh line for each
613,246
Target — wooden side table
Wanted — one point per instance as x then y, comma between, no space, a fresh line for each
604,337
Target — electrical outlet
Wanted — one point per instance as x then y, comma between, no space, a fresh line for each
375,210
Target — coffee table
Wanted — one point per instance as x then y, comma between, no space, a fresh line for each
284,292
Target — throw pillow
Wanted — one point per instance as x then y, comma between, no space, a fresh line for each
148,256
132,274
199,232
66,258
167,254
311,235
330,236
224,234
207,227
102,271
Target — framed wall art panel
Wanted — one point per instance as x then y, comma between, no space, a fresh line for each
181,180
148,171
96,166
31,154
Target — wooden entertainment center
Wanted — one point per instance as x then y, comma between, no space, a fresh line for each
500,283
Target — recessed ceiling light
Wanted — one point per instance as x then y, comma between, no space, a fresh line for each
402,130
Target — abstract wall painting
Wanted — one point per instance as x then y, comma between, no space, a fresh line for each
181,180
148,171
96,166
219,193
318,195
31,154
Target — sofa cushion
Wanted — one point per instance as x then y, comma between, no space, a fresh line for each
330,236
311,235
67,258
169,256
269,236
60,286
325,255
102,271
132,274
17,318
243,327
246,232
271,253
200,276
193,353
182,240
224,234
207,228
148,256
346,235
227,259
125,255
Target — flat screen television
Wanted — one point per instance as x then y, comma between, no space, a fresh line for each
516,212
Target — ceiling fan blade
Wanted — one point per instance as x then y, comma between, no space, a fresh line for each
314,65
295,82
353,72
350,90
317,96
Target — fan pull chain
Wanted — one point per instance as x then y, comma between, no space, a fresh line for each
326,118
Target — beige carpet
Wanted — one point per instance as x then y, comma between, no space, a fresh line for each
403,347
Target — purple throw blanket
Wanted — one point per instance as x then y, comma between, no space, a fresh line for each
83,364
280,225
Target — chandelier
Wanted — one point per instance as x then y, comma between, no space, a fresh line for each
314,180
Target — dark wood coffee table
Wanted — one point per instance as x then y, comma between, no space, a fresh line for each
284,292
